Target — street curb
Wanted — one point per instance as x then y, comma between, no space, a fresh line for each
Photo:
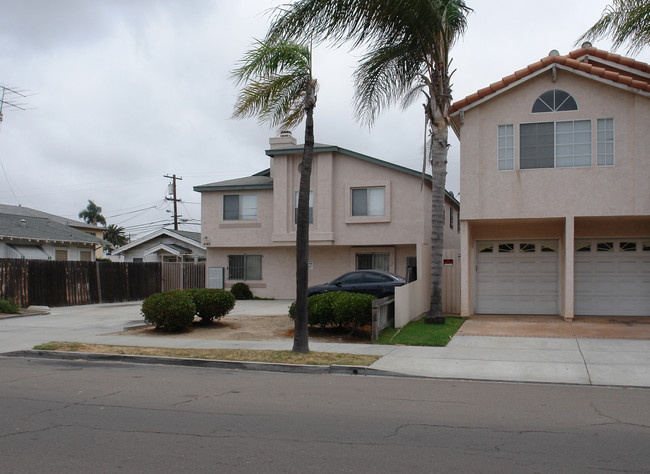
24,313
209,363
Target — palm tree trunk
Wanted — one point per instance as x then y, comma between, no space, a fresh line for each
439,135
301,332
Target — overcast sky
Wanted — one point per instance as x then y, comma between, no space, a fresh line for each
127,91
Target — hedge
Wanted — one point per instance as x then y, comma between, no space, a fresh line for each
241,291
212,303
337,308
171,310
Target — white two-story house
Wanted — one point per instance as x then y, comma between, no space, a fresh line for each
555,179
365,214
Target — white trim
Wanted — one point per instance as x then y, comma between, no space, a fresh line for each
153,235
164,247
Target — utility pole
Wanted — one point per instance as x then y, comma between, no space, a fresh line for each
174,178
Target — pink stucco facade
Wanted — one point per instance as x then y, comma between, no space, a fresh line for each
595,217
336,236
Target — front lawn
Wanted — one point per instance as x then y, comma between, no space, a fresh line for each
418,333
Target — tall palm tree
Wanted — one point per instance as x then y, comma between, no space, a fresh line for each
278,88
408,44
625,21
92,214
115,235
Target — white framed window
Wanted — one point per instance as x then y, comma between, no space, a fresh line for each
506,147
373,261
368,201
573,143
555,100
605,141
85,256
60,255
565,144
240,207
244,267
451,217
311,207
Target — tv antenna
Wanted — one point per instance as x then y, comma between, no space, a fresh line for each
12,99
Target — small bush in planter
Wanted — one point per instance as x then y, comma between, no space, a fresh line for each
213,303
241,291
171,310
8,306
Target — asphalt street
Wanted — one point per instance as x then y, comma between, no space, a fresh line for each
79,416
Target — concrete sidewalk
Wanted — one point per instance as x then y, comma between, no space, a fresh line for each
574,360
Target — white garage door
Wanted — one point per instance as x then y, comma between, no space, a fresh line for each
517,277
612,277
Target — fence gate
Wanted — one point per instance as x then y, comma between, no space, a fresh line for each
180,276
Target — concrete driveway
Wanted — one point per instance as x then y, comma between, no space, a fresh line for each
596,327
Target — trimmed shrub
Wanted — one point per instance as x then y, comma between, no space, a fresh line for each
8,306
171,310
353,309
319,309
213,303
337,308
241,291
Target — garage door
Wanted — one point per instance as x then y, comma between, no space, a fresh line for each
517,277
612,277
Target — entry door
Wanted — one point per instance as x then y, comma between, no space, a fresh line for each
517,277
612,277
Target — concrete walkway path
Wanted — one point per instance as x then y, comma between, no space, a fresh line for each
570,360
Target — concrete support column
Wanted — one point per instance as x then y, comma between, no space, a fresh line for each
568,273
466,275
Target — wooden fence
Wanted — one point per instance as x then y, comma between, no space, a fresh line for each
64,283
178,276
383,315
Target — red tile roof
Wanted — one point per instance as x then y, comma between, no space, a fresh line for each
600,63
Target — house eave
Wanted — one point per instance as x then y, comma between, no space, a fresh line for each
455,116
241,187
354,154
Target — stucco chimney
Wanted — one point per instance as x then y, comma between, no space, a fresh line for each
284,140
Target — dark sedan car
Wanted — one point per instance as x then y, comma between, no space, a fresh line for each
372,282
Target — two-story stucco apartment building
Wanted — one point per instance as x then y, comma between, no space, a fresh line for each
555,179
365,214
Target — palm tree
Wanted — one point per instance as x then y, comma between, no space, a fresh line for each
92,214
115,235
408,45
625,21
278,88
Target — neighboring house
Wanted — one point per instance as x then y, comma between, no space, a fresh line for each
30,234
164,245
555,178
78,225
365,214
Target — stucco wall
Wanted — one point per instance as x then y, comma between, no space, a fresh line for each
623,189
279,268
